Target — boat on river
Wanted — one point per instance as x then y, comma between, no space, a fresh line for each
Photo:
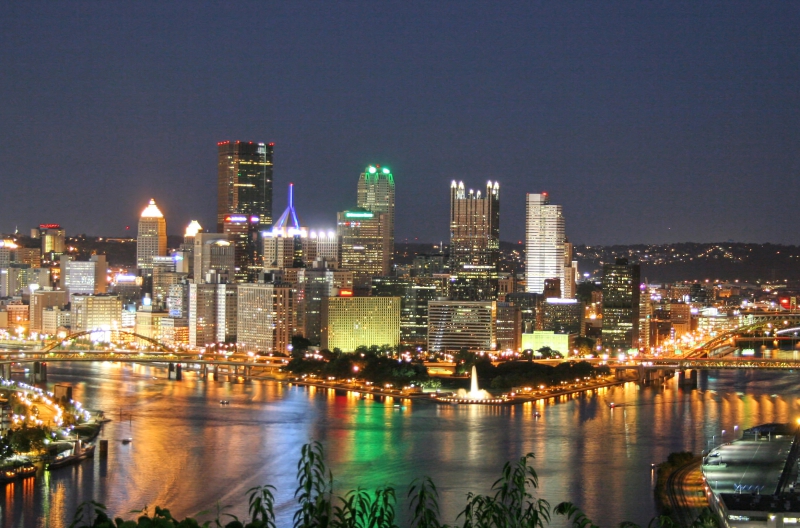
20,472
67,460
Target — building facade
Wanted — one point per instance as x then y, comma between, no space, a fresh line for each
351,322
544,242
244,181
265,317
151,240
621,291
363,245
456,325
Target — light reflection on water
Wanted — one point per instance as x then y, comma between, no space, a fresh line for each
189,452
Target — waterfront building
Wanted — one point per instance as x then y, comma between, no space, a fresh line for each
317,284
213,252
456,325
508,326
363,245
376,193
351,322
265,318
85,277
149,322
175,331
56,321
544,242
474,241
41,300
151,240
621,291
244,181
556,342
413,306
95,312
212,311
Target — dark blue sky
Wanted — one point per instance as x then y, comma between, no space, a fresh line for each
647,121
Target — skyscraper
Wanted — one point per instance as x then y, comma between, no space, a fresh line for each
362,245
474,241
621,292
544,242
376,194
244,185
152,238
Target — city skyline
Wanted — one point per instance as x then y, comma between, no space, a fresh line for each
650,122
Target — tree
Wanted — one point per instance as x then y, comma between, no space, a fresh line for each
584,345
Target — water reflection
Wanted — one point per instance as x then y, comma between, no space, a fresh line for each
190,452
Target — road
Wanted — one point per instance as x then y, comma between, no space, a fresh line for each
686,493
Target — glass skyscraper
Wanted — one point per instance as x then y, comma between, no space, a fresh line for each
244,185
544,242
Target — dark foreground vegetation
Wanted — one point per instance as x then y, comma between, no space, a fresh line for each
510,504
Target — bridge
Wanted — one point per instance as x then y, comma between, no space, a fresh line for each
783,326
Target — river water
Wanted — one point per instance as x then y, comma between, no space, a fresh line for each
191,454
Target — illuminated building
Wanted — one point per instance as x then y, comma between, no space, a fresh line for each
244,181
175,331
164,276
85,277
265,318
327,245
41,300
288,244
213,252
351,322
530,308
212,311
362,245
128,288
563,316
539,339
474,241
570,283
243,232
184,257
376,193
52,237
621,290
544,242
508,326
55,319
413,306
318,283
95,312
30,256
152,238
453,325
148,323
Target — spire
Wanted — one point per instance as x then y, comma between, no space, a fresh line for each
152,211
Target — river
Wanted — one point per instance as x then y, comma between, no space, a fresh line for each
190,454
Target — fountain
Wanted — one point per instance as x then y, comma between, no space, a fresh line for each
475,395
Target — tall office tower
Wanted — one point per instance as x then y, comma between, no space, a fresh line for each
265,318
327,245
563,316
85,277
243,232
351,322
474,241
152,238
42,299
544,242
413,306
184,257
287,244
315,285
453,325
376,193
244,185
213,251
621,292
53,238
530,307
362,245
508,326
212,311
570,283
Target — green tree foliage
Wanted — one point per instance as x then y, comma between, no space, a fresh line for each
28,439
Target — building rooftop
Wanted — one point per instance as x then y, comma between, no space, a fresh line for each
152,211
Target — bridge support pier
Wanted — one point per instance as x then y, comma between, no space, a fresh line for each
6,372
687,379
43,373
205,371
178,376
170,370
216,372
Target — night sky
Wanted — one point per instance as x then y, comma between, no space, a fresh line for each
648,121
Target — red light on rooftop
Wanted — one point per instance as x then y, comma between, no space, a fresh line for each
345,293
271,144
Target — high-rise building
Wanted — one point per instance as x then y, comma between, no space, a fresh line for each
213,251
455,325
563,316
42,299
85,277
95,312
152,238
621,292
265,318
508,326
474,241
413,306
544,242
376,193
362,245
53,238
570,284
351,322
315,285
212,311
243,232
244,184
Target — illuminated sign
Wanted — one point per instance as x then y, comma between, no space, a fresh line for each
236,219
49,226
360,214
345,293
254,220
